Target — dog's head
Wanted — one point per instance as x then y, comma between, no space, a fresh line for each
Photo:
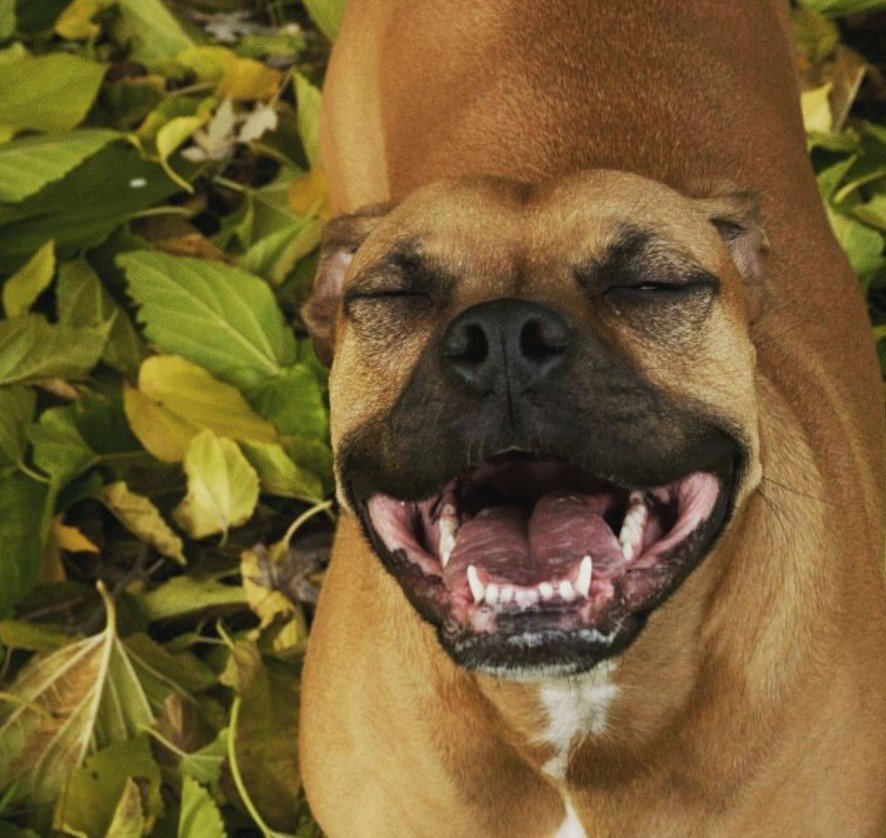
543,404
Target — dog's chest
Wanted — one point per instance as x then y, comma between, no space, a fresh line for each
575,708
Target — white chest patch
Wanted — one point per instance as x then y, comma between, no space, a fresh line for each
571,826
576,707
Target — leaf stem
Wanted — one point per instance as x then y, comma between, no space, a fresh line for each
323,506
238,777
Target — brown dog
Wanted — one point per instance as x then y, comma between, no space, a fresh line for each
612,478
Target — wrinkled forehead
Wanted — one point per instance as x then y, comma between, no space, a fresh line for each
487,222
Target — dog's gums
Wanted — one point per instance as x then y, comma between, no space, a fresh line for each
522,552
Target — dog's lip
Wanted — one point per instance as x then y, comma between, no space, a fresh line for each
574,630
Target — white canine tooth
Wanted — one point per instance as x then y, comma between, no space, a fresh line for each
506,594
631,535
566,590
583,580
478,589
448,527
492,593
545,590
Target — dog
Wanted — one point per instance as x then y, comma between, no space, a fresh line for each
608,435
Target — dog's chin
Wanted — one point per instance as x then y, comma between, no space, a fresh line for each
533,568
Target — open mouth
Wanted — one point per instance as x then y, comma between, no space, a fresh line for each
526,563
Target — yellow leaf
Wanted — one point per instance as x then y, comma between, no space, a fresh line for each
176,235
222,487
143,520
207,63
176,399
816,108
71,539
75,22
309,195
29,282
171,137
162,433
271,605
246,78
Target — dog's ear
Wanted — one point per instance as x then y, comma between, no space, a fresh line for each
736,215
341,239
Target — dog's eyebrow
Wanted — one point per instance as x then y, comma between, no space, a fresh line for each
637,251
407,260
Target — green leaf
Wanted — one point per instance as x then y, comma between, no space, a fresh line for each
205,765
327,14
29,163
186,595
219,317
59,449
268,694
82,209
839,8
16,411
48,92
294,401
31,349
24,525
129,819
274,256
143,520
84,301
176,399
35,637
200,817
830,177
279,475
222,487
172,136
7,19
21,290
75,701
309,105
863,245
153,33
91,804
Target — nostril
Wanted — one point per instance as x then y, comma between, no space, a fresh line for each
470,346
539,340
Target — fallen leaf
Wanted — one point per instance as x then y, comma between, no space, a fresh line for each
222,487
102,798
262,119
71,539
48,92
200,817
70,703
143,520
31,349
271,606
75,22
29,163
186,595
176,399
268,701
217,316
246,78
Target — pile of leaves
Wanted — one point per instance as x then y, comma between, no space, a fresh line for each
165,471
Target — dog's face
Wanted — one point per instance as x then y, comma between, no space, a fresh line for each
543,405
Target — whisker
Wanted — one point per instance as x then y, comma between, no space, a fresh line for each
803,494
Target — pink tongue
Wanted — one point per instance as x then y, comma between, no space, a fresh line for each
561,529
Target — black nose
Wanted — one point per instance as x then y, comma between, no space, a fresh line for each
506,346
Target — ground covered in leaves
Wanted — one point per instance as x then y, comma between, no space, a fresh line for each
165,472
